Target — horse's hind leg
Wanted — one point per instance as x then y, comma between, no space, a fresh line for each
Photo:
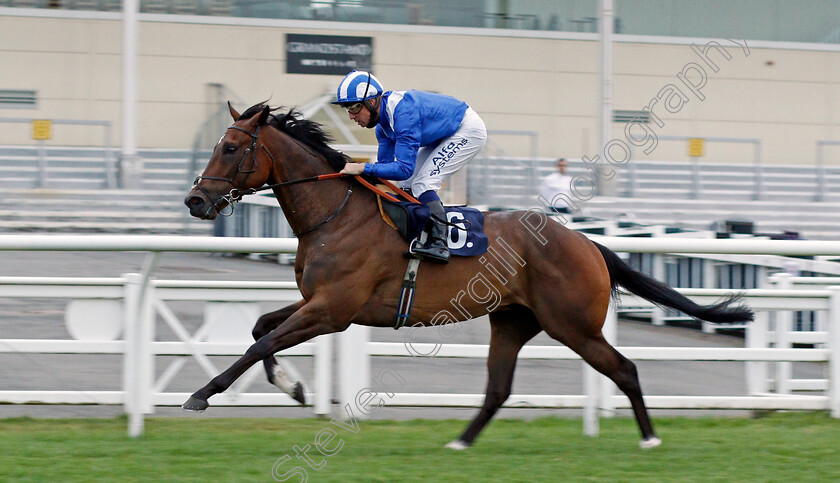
603,357
510,330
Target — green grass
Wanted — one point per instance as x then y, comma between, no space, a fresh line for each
780,447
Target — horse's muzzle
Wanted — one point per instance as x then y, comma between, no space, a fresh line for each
200,207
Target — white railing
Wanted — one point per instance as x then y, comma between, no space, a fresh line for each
599,394
143,298
135,318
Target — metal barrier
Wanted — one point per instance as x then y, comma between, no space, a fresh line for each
144,296
822,185
110,168
696,184
513,182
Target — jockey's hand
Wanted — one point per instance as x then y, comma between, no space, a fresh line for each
353,168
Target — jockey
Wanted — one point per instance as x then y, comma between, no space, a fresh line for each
424,138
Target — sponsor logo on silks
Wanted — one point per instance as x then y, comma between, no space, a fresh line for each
445,154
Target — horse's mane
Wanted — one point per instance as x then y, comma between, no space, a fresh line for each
308,132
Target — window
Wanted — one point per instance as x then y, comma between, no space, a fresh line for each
18,99
631,116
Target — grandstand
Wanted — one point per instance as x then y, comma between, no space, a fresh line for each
776,94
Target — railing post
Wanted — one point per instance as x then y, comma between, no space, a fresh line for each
759,175
820,196
138,363
696,179
323,374
657,316
633,176
784,324
42,164
110,168
354,366
146,335
132,356
834,352
607,387
756,337
591,391
708,272
131,299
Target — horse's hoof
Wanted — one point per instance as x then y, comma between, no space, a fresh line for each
294,389
651,442
457,445
297,394
194,404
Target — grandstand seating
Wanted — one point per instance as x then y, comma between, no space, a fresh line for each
809,219
77,197
659,192
87,168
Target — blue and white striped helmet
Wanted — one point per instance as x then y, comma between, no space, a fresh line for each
358,86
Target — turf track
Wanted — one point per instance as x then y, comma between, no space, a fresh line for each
778,447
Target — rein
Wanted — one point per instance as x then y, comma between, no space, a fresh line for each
236,194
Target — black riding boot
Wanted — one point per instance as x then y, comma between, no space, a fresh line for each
435,249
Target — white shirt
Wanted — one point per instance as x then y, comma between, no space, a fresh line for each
555,184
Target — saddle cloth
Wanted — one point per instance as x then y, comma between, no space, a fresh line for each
466,237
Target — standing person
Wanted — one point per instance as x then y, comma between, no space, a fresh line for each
556,189
424,138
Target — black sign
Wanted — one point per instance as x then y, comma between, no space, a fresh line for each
327,54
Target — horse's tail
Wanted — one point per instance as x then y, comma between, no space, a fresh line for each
730,310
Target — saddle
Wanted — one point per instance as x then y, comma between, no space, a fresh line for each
409,217
466,232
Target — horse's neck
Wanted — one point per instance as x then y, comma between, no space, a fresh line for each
306,205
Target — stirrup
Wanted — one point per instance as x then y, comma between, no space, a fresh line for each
412,251
412,245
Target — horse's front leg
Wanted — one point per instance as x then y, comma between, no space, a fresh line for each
311,320
275,373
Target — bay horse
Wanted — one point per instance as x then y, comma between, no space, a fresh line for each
349,268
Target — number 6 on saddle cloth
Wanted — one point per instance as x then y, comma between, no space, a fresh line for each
465,238
466,225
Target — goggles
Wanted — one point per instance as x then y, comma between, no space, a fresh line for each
354,108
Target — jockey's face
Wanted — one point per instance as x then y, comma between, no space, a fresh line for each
362,118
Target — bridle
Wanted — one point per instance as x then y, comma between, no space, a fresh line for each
236,194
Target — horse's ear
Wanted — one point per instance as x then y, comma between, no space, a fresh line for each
263,120
233,112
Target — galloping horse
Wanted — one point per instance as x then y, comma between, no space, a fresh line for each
349,268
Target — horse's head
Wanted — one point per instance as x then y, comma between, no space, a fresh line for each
235,166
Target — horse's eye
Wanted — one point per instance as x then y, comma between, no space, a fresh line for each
230,148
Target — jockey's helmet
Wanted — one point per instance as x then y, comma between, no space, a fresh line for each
358,86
